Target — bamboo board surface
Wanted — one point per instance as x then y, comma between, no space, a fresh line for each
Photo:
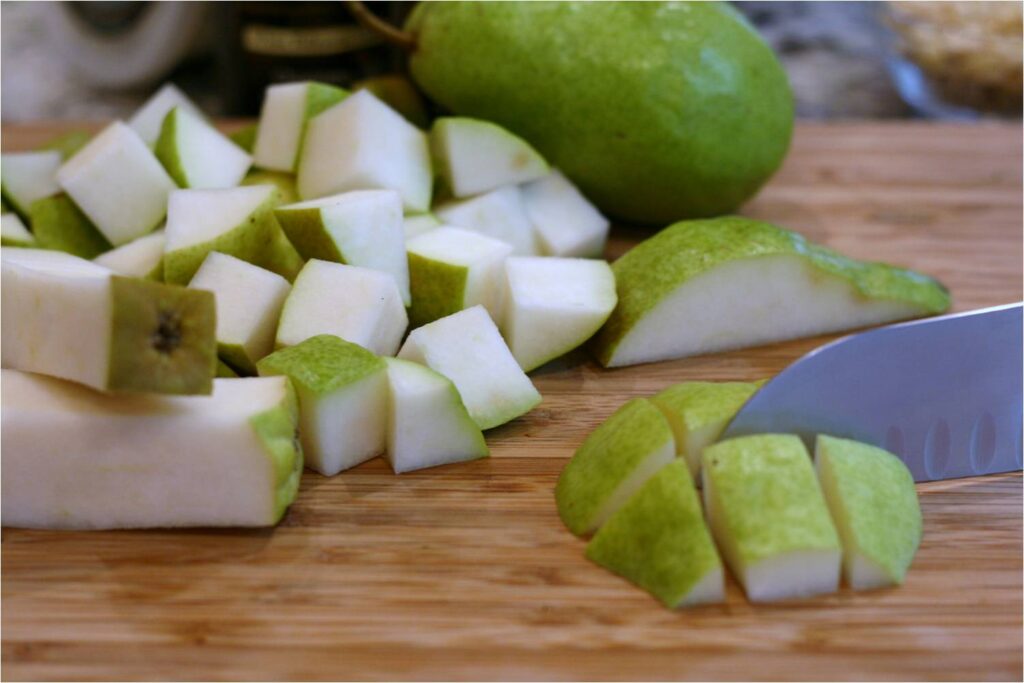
466,572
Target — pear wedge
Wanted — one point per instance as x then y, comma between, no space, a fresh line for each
286,110
197,155
499,214
142,257
566,224
474,156
67,144
415,224
149,118
13,232
58,224
26,177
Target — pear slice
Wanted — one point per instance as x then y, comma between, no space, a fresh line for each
363,144
769,517
475,156
118,183
699,412
78,459
71,318
67,144
428,424
286,110
727,283
566,223
238,221
245,137
614,461
498,214
553,305
197,155
249,302
343,400
399,93
13,232
142,257
150,116
360,305
414,225
26,177
284,182
874,505
451,269
659,541
58,224
467,348
360,228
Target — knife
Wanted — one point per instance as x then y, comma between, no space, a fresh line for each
943,394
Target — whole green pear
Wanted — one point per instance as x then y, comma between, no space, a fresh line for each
657,110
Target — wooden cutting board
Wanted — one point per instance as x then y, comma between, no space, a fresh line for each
466,572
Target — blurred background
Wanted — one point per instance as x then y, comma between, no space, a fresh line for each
846,60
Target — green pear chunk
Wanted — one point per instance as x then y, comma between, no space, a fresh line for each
197,155
398,92
874,505
286,110
451,269
149,118
659,541
414,225
224,370
614,461
711,285
553,305
428,424
699,412
245,137
75,458
71,318
26,177
566,224
360,228
67,144
363,144
343,400
249,303
467,348
60,225
769,517
284,182
369,313
118,183
142,257
499,214
13,232
474,156
237,221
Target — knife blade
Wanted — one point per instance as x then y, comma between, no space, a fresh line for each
943,394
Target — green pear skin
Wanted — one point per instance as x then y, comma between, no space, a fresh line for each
245,137
60,225
284,182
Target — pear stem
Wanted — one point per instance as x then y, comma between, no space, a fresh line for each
391,34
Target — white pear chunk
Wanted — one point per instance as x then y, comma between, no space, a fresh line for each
249,302
360,305
150,116
475,156
415,224
428,424
197,155
343,400
117,182
75,458
142,257
769,517
360,228
553,305
498,214
451,269
363,144
28,176
467,348
286,109
566,223
13,232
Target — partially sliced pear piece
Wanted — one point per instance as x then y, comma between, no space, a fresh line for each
286,110
565,222
467,348
238,221
415,224
874,505
197,155
58,224
711,285
79,459
475,156
249,302
343,400
28,176
150,116
13,232
614,461
71,318
428,424
769,517
659,541
360,228
142,257
498,214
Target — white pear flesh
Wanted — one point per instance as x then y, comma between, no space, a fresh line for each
199,156
13,232
566,223
414,225
79,459
467,348
553,305
428,424
142,257
281,124
118,183
28,176
150,116
499,214
359,305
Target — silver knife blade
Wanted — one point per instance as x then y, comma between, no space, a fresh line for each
943,394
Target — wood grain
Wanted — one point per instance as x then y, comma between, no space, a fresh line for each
464,572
